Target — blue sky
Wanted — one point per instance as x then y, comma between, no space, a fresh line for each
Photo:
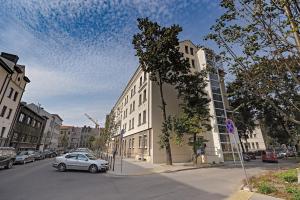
78,53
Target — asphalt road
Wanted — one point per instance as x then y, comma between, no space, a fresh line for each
39,181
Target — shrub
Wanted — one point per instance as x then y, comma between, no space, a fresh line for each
266,188
294,191
289,176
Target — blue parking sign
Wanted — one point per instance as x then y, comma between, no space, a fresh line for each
230,126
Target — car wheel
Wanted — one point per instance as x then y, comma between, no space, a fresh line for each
9,164
93,169
61,167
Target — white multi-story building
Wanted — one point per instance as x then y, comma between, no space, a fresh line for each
255,140
52,127
138,112
12,85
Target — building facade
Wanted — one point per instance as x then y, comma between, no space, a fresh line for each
255,140
12,86
138,113
28,129
52,127
87,135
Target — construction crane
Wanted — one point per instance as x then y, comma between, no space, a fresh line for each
93,120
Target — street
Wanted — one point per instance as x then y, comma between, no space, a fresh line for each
39,180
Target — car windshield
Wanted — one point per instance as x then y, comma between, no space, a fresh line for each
91,157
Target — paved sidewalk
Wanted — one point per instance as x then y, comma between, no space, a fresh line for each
245,195
132,167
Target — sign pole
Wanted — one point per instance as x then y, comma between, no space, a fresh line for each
232,129
121,143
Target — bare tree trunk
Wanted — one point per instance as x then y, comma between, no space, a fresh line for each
243,149
167,135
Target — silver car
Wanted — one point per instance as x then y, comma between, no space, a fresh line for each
25,157
80,161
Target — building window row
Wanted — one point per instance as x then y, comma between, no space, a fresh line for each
132,107
4,109
140,122
2,132
141,79
187,50
10,94
132,92
192,62
29,121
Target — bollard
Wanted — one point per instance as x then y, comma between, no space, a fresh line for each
298,172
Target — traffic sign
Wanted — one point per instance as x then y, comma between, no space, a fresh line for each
230,126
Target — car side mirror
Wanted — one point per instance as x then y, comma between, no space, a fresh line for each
86,159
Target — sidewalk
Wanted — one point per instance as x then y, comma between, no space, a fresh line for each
132,167
245,195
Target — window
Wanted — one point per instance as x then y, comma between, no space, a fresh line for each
134,90
220,113
224,138
145,76
145,95
10,92
140,99
145,141
216,90
16,96
220,120
186,49
133,105
21,117
39,125
144,116
3,111
130,110
132,121
254,135
140,141
28,120
132,143
81,157
217,97
71,156
222,129
214,83
129,124
193,63
2,131
192,51
140,119
253,146
213,76
9,113
141,81
218,104
188,60
257,145
129,145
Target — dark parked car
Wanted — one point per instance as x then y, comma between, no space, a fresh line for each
50,153
251,155
7,157
38,155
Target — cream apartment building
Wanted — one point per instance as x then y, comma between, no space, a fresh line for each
138,113
255,141
12,86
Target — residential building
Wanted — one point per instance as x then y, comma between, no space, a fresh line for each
74,135
255,140
28,129
52,127
138,113
12,85
86,135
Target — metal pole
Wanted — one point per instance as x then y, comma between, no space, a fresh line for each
242,161
121,156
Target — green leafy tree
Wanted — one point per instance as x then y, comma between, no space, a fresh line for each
261,46
194,120
158,51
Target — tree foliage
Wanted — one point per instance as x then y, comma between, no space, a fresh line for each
157,48
261,47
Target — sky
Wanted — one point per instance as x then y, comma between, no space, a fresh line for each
79,54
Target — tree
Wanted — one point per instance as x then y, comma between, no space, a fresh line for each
64,141
261,47
90,141
158,51
194,120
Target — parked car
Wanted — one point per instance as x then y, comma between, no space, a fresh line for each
24,157
80,161
39,155
251,155
246,157
269,156
7,157
50,153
